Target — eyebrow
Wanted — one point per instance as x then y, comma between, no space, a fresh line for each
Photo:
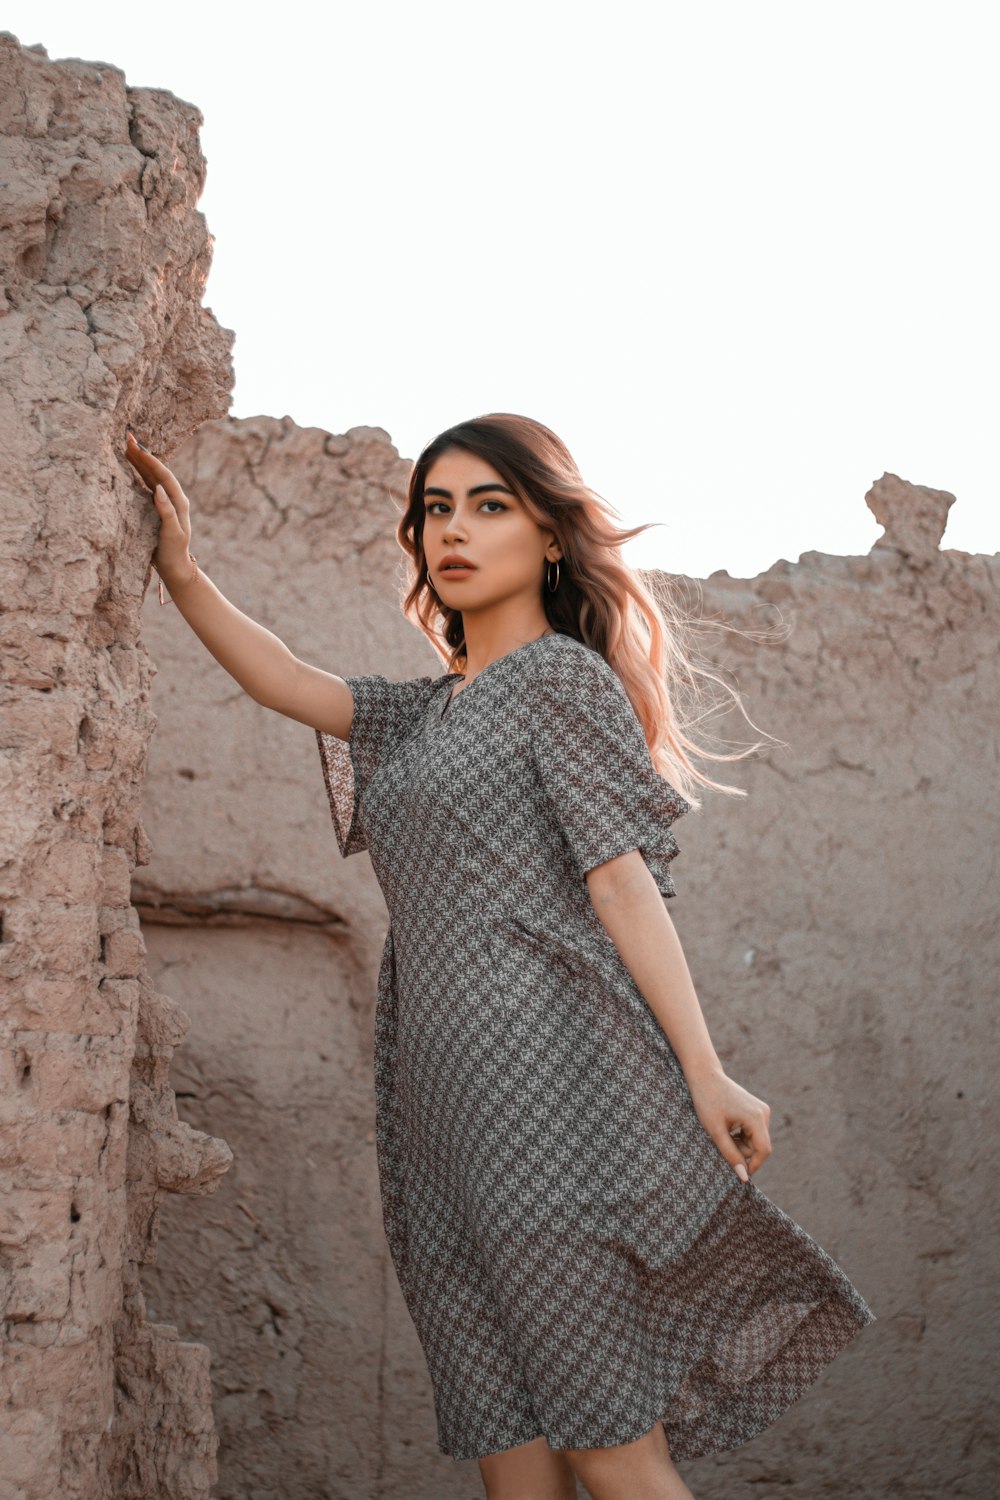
477,489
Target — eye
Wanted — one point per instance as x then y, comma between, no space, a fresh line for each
431,504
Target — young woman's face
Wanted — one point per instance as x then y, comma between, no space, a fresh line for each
469,510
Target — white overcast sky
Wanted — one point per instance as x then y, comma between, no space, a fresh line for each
741,257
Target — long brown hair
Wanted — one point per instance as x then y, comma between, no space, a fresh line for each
638,626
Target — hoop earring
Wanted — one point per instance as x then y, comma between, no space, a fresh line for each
548,577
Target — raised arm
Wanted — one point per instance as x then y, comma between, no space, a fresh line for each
252,655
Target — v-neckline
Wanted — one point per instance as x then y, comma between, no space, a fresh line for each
453,677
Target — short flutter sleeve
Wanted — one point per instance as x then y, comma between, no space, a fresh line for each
385,714
594,764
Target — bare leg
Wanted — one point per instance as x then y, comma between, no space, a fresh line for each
642,1470
531,1471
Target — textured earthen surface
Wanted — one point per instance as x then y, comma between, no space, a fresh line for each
104,258
838,923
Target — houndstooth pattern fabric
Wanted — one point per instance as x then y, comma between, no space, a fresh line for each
578,1259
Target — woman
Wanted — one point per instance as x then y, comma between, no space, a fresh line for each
598,1287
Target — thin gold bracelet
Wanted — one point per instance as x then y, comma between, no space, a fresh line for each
194,574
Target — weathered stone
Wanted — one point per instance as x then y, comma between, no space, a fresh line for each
104,256
840,921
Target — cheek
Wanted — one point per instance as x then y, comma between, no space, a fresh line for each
516,554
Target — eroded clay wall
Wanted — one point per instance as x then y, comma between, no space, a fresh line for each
104,258
838,923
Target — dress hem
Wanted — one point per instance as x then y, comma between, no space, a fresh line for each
708,1435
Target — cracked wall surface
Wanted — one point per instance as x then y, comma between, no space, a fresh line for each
104,260
838,924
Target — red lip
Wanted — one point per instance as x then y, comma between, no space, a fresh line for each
454,557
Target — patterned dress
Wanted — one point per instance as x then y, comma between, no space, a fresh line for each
578,1259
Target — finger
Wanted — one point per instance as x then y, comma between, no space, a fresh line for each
140,463
163,506
136,454
759,1140
170,521
168,515
759,1157
137,458
732,1153
155,471
747,1139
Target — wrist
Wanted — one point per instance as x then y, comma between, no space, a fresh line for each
704,1067
176,582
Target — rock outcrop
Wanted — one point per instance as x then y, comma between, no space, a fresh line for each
104,259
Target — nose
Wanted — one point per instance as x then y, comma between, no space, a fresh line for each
454,530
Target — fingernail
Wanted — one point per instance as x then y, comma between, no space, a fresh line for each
742,1172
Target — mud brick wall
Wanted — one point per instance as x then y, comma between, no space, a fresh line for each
840,922
104,258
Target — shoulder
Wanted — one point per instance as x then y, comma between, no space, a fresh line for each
571,696
565,655
569,669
